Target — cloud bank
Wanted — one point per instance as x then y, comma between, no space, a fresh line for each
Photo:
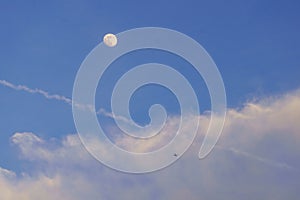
257,157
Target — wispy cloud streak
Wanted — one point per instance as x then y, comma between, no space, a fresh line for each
36,91
257,158
62,98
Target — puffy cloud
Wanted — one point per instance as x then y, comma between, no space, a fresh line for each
257,157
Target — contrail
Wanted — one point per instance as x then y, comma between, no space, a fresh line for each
102,111
62,98
258,158
36,91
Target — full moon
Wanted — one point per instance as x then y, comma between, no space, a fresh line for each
110,40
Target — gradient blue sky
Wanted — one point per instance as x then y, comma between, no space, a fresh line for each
255,45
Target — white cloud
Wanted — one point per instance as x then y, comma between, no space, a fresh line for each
7,173
36,91
257,157
61,98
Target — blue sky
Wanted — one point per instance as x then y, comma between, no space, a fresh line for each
255,45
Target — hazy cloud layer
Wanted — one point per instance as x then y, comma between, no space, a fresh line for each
257,157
